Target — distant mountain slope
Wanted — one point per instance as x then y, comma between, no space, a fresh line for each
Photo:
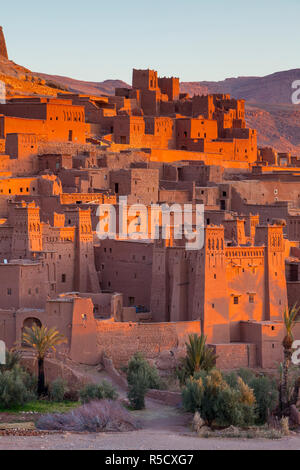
90,88
271,89
277,126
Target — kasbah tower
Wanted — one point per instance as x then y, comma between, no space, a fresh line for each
64,154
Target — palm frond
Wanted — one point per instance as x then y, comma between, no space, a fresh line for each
43,339
290,317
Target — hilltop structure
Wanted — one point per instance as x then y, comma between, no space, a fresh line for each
153,115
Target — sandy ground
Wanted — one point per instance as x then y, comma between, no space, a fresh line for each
142,440
162,428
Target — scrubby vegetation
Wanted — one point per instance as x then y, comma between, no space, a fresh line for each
217,402
96,416
58,390
238,399
17,387
141,377
265,390
101,391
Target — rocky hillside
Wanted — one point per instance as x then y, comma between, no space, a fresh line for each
271,89
90,88
277,126
21,81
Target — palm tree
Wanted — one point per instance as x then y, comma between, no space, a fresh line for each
42,340
289,319
198,357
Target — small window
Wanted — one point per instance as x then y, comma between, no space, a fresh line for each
235,300
251,298
63,278
9,291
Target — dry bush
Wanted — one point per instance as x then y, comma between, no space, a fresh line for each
285,428
96,416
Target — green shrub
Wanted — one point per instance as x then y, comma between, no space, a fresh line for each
57,390
247,375
12,359
141,376
265,390
266,394
137,389
17,387
151,375
192,395
101,391
217,402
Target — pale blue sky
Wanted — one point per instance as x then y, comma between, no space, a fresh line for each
194,39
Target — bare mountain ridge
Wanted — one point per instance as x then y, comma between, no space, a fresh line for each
90,88
271,89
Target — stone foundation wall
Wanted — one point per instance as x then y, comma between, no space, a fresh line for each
161,343
235,356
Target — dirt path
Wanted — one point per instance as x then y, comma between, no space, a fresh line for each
143,440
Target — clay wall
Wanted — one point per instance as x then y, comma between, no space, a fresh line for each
126,267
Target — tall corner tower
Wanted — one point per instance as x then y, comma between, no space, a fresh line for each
3,49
